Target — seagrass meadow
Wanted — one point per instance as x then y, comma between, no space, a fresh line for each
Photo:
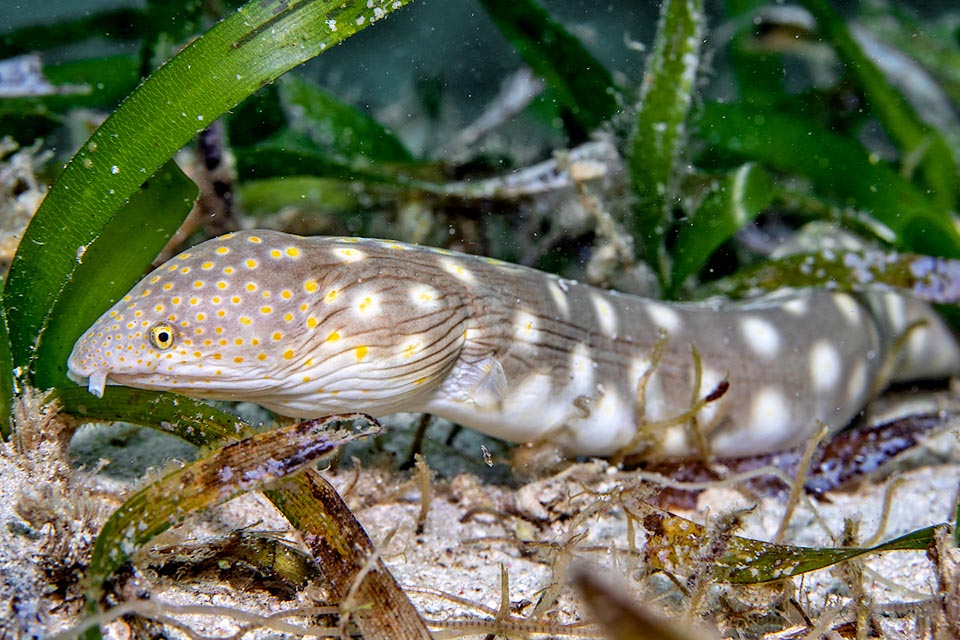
709,305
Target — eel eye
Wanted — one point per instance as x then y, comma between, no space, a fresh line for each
161,336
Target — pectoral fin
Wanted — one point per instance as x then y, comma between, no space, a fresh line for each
482,384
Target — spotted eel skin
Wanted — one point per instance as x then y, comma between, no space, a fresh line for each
314,326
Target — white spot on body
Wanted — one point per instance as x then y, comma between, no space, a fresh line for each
368,305
674,442
770,412
526,326
581,370
857,382
663,316
849,308
559,298
761,336
606,315
896,311
825,365
609,406
349,254
797,306
457,270
709,380
424,296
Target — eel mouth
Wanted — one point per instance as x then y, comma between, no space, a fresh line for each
95,382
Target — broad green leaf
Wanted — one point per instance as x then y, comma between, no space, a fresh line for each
736,199
837,166
111,265
337,127
304,192
291,154
189,419
659,133
937,165
583,87
252,47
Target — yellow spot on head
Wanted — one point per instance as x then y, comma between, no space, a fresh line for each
238,359
251,286
311,286
251,264
198,284
255,341
288,317
331,295
185,270
183,256
311,322
306,378
175,300
235,299
361,352
221,313
194,301
238,341
221,284
261,357
333,337
168,286
206,265
228,270
288,354
409,350
286,294
223,251
365,304
201,317
293,252
420,381
154,279
277,336
266,310
275,253
254,239
244,320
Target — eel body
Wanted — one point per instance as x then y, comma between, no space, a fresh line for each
314,326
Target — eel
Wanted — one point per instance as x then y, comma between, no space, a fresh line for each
313,326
